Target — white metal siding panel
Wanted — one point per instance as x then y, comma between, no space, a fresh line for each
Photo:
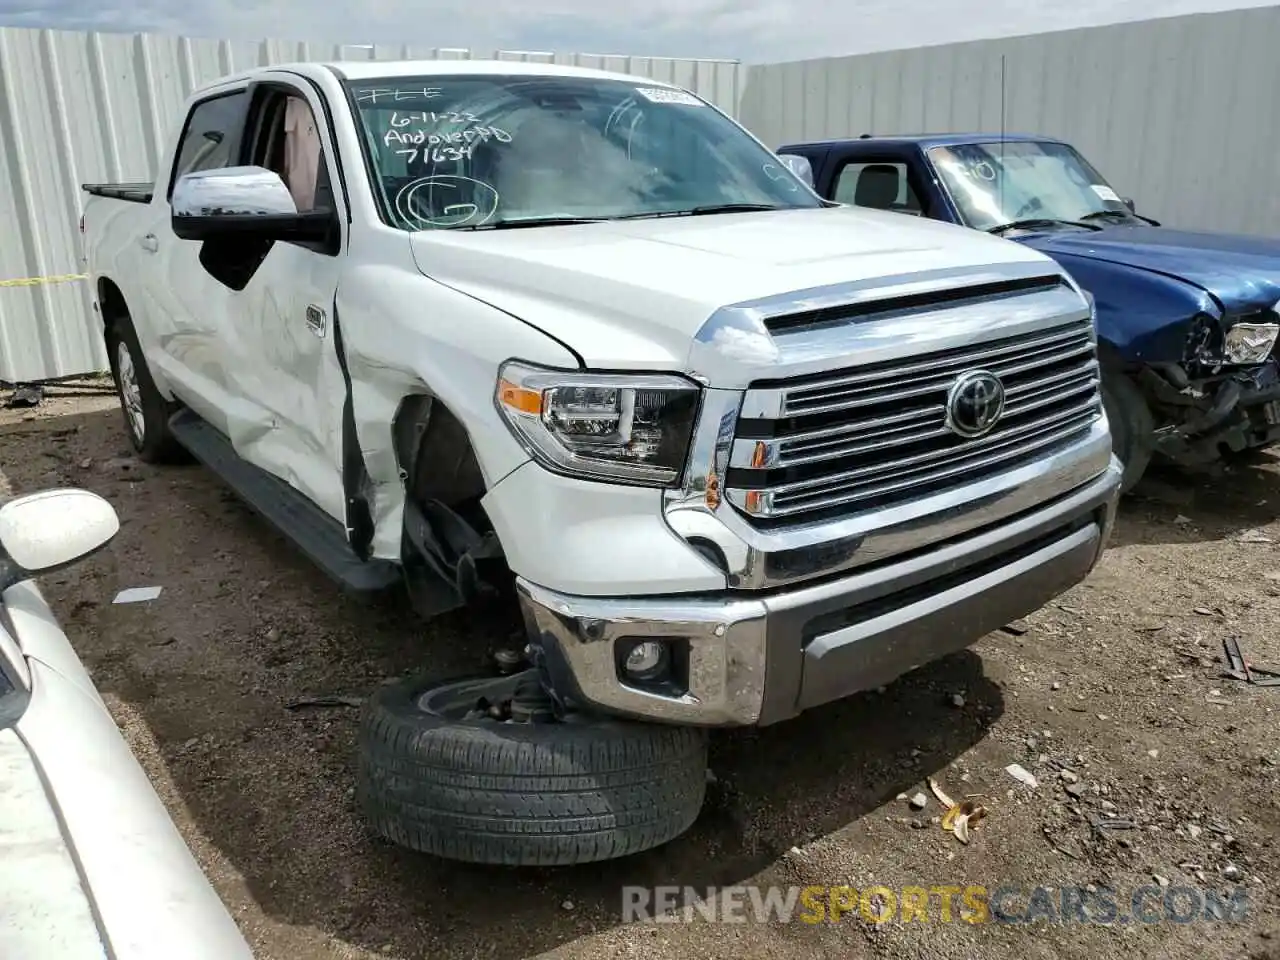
88,107
1176,113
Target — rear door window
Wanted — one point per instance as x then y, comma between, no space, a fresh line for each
882,184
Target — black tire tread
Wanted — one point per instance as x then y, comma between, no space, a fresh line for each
159,446
522,795
1132,426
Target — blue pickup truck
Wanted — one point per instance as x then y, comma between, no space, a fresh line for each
1187,322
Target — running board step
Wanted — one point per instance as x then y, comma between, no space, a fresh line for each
316,534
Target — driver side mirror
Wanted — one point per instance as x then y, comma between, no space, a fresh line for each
243,202
1128,202
46,531
798,165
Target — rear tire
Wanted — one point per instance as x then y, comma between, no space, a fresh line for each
523,794
146,412
1132,426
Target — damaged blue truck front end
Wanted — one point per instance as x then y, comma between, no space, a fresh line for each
1187,321
1191,320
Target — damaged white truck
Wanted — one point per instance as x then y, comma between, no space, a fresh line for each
576,345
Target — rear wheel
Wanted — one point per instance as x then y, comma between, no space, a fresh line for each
146,412
1132,426
477,770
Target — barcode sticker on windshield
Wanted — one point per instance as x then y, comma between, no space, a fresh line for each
1106,193
665,95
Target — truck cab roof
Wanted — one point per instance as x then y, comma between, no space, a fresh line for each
924,140
379,69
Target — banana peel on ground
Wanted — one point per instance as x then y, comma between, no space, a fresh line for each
960,817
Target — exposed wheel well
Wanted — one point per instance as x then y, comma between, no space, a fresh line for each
111,308
435,455
111,302
1110,359
449,541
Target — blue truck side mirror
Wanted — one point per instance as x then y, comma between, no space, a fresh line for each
798,165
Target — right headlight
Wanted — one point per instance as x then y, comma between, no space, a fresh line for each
1249,342
625,428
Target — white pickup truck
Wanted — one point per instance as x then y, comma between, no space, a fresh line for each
576,346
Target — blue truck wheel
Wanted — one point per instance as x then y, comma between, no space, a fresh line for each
1132,426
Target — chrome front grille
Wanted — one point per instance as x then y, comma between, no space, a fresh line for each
879,434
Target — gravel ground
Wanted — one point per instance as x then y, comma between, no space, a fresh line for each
1119,683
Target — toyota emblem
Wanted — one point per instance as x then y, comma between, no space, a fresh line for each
974,403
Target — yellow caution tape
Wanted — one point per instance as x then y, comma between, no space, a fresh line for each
36,281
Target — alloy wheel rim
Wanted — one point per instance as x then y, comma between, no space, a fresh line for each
130,391
514,698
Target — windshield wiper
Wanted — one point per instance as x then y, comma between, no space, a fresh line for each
735,208
531,222
1104,214
1033,222
1125,216
705,210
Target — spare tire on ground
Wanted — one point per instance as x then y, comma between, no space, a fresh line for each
437,773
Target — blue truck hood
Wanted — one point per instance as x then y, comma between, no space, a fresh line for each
1239,271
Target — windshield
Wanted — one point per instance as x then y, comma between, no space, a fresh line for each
451,152
997,183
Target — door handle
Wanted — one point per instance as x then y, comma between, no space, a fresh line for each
149,243
315,320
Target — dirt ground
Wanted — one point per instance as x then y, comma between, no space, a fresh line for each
1119,682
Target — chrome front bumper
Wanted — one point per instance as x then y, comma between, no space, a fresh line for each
755,658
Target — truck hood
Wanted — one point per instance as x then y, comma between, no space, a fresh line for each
635,292
1242,273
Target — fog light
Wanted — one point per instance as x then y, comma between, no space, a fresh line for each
647,660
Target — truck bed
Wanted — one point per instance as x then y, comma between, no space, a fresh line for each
132,192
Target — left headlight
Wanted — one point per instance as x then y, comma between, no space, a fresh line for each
625,428
1249,342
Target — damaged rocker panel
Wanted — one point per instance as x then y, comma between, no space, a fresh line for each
317,534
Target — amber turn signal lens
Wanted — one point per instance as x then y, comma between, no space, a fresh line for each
519,399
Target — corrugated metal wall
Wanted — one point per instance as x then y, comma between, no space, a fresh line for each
85,107
1176,113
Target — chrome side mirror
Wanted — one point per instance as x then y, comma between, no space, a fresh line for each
244,202
52,529
798,165
231,192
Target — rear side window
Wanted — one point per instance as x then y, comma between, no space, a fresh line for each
211,137
882,184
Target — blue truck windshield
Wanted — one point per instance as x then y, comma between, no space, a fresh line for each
997,183
464,152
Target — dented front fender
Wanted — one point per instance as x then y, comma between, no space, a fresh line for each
405,334
1143,317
